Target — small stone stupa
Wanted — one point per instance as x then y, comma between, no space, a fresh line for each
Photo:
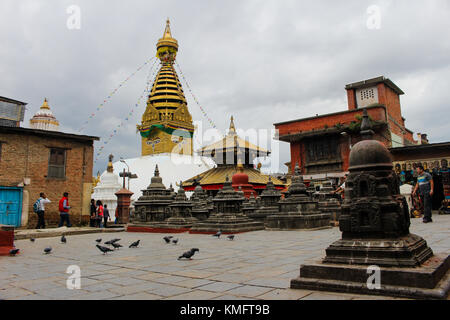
270,198
153,205
329,203
202,204
375,232
298,210
228,216
180,211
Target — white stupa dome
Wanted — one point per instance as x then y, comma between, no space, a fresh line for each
173,168
44,119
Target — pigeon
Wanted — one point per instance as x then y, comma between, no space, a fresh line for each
103,249
98,240
217,234
188,254
48,250
116,245
167,239
13,252
112,241
175,241
134,244
231,237
63,239
32,239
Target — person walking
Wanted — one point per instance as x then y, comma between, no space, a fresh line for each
64,210
41,211
93,218
99,214
105,216
425,186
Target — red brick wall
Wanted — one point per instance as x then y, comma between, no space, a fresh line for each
351,99
26,156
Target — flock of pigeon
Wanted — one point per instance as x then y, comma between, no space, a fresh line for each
116,245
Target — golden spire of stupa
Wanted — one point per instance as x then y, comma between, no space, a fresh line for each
45,104
166,125
232,129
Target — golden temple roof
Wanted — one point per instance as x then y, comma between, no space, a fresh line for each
232,140
219,175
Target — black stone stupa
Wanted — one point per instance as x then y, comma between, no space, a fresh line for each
228,216
375,232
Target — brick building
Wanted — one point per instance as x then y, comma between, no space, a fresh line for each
34,161
320,145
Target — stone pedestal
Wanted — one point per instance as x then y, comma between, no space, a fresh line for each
375,232
229,217
123,205
298,210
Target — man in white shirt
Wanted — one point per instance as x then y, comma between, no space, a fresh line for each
41,212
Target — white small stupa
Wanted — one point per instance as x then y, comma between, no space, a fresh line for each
107,187
44,119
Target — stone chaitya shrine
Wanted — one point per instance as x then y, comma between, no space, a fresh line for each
227,216
375,232
298,210
267,203
153,205
329,202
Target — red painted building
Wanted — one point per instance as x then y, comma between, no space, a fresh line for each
321,144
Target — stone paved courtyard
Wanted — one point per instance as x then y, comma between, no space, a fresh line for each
256,265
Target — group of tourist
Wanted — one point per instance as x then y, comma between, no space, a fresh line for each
99,214
39,209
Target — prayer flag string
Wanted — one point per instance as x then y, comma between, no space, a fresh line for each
92,115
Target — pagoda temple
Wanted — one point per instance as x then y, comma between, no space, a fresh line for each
227,153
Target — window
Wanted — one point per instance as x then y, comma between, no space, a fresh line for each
57,163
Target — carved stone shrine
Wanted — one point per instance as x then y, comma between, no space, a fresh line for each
329,203
298,210
375,232
228,216
270,198
153,205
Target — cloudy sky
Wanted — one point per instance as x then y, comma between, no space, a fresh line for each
261,61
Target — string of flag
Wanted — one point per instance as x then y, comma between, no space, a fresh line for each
195,98
151,75
101,105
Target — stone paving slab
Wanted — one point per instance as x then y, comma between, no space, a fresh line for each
20,234
256,265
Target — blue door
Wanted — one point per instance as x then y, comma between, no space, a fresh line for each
10,206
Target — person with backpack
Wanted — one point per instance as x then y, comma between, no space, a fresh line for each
99,213
39,208
64,210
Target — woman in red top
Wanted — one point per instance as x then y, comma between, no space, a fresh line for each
99,213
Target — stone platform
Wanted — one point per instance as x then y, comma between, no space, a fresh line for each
227,224
429,281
